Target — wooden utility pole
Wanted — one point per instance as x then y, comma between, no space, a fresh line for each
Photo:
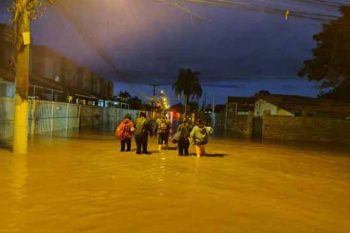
22,33
23,11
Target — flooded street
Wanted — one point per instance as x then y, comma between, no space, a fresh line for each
86,185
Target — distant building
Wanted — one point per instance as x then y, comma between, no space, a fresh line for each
240,105
293,105
45,79
53,76
79,85
6,63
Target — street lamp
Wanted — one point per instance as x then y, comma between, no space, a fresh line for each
163,99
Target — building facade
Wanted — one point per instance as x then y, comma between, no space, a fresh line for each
240,105
53,76
293,105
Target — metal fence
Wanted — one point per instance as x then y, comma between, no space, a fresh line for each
6,118
46,117
58,119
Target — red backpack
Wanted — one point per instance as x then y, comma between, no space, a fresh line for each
123,130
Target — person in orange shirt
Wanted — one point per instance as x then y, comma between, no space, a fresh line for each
124,132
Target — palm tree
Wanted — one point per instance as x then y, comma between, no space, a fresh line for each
188,86
124,96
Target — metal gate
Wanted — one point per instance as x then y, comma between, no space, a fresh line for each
257,127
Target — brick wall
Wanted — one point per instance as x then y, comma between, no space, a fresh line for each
306,128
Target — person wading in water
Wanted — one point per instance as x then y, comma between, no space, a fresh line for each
124,132
199,137
141,133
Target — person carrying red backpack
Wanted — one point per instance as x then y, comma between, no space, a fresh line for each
124,132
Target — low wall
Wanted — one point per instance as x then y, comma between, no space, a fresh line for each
287,128
240,126
306,129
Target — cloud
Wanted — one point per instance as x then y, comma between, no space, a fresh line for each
148,42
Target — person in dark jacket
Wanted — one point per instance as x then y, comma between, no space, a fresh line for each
124,132
141,133
183,130
163,128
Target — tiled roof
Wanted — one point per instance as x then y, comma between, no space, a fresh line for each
300,103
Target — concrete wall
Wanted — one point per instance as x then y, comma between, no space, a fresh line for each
287,128
239,125
306,128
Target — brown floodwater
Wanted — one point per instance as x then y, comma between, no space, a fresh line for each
84,184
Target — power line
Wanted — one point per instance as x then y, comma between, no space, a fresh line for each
315,3
268,9
321,17
88,39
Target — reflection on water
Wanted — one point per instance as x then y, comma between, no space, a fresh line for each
19,174
84,184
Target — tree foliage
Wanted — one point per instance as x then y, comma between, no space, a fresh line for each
188,86
135,103
35,8
194,106
124,95
22,11
330,65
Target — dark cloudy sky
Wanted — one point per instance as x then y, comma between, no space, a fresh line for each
148,41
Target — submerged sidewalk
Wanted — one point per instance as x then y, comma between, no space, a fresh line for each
86,185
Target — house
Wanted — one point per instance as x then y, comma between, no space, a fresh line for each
294,105
6,48
52,76
240,105
69,75
6,63
45,79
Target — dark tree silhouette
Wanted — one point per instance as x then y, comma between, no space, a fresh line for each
188,86
330,65
124,96
135,103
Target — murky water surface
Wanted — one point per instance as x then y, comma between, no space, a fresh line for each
85,185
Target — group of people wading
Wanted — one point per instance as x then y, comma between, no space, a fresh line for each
187,133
